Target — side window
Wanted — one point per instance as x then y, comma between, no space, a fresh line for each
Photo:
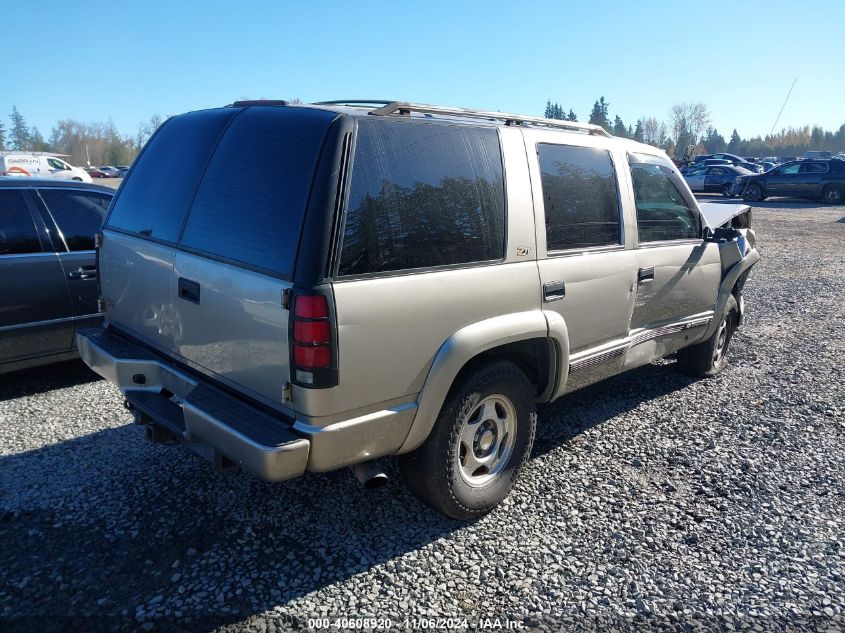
251,203
77,214
790,169
813,168
664,212
155,197
422,195
580,197
17,232
56,164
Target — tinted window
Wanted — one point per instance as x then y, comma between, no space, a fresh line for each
580,197
17,232
155,197
78,214
664,212
251,202
423,194
813,168
790,169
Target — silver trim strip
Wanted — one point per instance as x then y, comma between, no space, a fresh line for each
19,326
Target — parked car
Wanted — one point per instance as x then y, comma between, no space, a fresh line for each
766,165
95,172
816,155
710,162
46,299
817,179
122,169
110,172
39,165
405,279
718,179
739,161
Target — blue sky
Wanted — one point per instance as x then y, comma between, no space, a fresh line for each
128,60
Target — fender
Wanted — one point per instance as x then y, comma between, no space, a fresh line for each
727,285
469,342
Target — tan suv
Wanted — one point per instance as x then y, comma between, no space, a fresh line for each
305,287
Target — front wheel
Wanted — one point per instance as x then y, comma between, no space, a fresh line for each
752,193
478,445
833,195
709,357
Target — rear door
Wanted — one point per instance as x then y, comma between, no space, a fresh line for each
139,240
73,216
35,312
586,271
810,177
239,246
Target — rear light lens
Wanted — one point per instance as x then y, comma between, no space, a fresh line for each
311,341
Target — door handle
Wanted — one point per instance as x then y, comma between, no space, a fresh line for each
645,275
83,272
189,290
554,290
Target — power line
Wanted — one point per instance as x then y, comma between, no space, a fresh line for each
783,106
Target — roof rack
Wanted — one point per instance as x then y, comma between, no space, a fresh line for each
260,102
403,107
355,102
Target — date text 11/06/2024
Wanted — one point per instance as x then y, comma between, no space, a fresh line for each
482,624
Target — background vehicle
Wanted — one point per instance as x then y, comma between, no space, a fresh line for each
766,165
717,179
95,172
710,162
110,172
733,159
817,179
40,165
399,280
47,267
816,155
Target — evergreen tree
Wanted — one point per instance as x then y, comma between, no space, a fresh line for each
571,116
735,142
2,136
19,137
598,115
638,131
619,128
549,111
37,142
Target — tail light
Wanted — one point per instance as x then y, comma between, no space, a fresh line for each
313,348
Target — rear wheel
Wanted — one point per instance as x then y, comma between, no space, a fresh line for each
710,356
752,193
478,445
833,195
77,179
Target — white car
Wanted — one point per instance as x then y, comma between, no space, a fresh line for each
40,165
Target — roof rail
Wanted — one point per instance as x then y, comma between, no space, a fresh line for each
6,152
264,102
403,107
355,102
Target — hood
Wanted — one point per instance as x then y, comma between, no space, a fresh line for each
717,214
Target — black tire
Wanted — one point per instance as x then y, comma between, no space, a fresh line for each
833,194
437,471
77,179
726,190
709,357
753,193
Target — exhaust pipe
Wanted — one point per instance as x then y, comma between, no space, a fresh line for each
369,474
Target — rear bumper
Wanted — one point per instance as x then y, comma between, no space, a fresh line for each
204,416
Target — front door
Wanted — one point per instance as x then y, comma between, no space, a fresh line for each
35,313
783,180
678,273
587,274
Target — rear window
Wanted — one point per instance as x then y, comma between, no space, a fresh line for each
423,195
251,203
155,196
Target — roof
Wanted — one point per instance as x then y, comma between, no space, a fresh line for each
18,182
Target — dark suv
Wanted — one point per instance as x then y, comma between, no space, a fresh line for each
47,267
817,179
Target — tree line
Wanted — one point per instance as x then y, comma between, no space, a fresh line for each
688,125
99,143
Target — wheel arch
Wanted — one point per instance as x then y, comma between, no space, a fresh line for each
536,341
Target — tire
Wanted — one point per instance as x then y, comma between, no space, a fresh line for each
833,194
77,179
726,190
753,193
709,357
488,418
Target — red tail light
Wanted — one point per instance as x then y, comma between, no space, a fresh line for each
311,339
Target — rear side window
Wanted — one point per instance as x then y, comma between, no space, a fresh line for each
423,195
155,196
580,197
251,203
17,232
663,211
814,168
77,214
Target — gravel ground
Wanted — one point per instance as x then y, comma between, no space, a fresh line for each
651,500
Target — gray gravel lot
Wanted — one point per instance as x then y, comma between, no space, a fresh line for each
650,500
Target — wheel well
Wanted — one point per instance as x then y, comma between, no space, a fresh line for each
533,356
